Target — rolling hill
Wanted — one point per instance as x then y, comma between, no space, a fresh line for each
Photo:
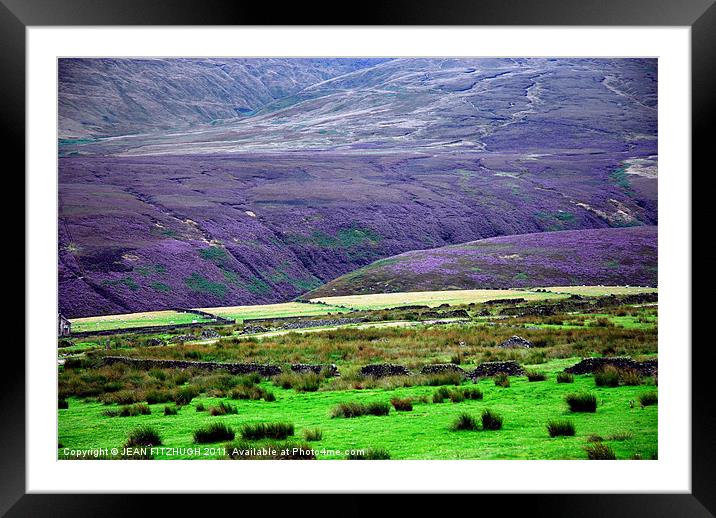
100,98
204,183
614,256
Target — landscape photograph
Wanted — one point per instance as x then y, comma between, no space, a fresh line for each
357,259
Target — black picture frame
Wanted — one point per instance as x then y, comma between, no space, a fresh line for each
700,15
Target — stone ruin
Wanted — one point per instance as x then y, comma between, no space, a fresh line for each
516,342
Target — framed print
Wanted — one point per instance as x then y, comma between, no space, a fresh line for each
453,241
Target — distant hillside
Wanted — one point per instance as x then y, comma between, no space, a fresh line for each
108,97
607,256
252,181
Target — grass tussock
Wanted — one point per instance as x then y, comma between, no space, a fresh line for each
473,393
223,409
630,377
583,402
501,380
402,404
62,404
312,434
441,394
562,428
170,410
251,392
465,422
360,409
276,431
607,376
369,454
599,451
456,395
300,382
145,436
491,420
565,377
648,399
155,396
620,436
184,395
128,411
536,376
215,432
611,376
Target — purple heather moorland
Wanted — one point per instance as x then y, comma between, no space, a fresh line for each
605,256
190,182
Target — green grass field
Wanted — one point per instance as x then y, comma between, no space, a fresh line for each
456,297
423,433
132,320
334,305
287,309
560,337
432,298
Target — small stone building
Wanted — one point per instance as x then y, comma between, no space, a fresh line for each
64,326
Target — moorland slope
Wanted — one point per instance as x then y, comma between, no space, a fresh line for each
357,161
610,256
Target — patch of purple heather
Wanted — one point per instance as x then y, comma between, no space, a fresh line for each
609,256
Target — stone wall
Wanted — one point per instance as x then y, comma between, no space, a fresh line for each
441,368
234,368
589,365
382,370
327,369
489,369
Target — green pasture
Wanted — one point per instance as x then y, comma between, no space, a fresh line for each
132,320
423,433
284,310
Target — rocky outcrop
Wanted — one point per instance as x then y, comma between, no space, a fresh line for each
516,342
488,369
382,370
